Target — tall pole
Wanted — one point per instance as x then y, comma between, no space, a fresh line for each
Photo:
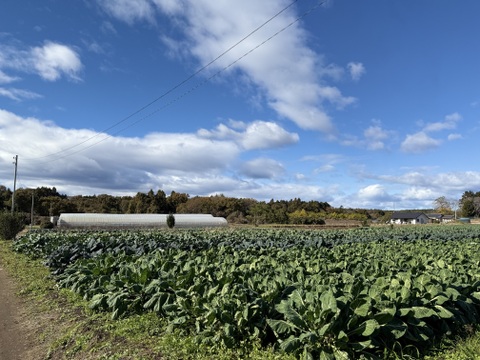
14,182
33,205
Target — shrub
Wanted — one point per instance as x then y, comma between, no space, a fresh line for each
11,225
46,224
170,220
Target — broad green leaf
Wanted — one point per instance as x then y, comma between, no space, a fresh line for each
341,355
443,313
440,299
291,315
366,328
309,337
97,301
291,344
328,301
361,345
297,298
361,306
397,328
421,312
385,316
281,326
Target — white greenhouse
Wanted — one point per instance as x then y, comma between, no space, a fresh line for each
136,221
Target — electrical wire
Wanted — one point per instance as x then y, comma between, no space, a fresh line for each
192,89
168,92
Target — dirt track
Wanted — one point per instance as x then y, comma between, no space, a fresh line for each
16,335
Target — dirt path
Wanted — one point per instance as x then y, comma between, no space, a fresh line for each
16,335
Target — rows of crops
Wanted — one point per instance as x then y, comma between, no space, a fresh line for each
328,294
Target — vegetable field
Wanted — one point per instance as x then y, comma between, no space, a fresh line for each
327,294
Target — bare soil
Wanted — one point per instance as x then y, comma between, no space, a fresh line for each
18,338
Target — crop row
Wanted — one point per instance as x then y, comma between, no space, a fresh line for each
315,294
59,249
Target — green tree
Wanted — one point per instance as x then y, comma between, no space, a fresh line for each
170,221
470,204
175,199
5,198
11,224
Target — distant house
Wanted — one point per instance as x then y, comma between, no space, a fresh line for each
448,218
435,218
407,217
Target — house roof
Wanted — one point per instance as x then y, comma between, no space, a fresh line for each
407,215
435,216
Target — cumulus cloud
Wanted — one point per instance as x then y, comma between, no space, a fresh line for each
290,75
356,70
419,142
446,182
190,161
375,137
375,192
255,135
112,159
50,61
53,60
422,141
450,122
262,168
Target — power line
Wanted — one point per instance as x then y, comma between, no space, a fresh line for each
192,89
168,92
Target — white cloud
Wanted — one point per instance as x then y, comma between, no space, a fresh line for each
446,182
452,137
419,142
262,168
129,10
375,137
256,135
290,75
324,169
120,164
356,70
450,122
6,79
54,60
50,61
374,192
18,94
328,162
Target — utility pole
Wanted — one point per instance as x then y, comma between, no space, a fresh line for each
33,205
14,182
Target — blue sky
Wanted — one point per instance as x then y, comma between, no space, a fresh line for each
370,104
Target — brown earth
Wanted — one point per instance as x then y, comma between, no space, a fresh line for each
18,338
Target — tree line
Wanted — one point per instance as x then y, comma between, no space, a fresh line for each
467,206
48,202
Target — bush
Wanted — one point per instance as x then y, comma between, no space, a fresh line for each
46,224
11,225
170,220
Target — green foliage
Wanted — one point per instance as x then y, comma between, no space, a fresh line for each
170,221
11,224
314,294
306,218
